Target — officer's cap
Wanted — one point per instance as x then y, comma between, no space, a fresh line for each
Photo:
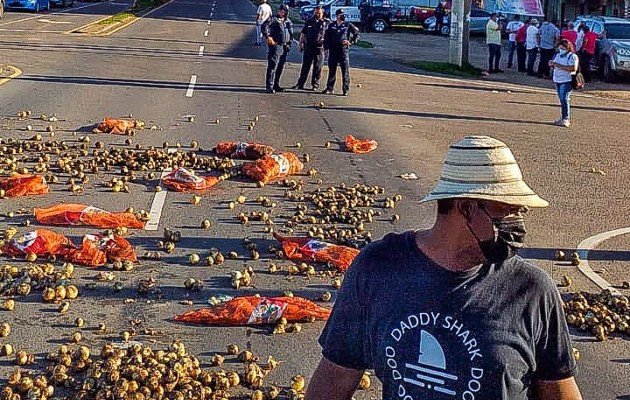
339,12
284,8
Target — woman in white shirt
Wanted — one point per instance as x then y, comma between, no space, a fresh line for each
565,65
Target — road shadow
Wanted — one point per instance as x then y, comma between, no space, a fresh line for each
383,111
589,108
471,87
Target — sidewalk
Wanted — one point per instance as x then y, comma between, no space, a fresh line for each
407,47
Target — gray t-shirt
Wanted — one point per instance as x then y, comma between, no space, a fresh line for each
429,333
548,34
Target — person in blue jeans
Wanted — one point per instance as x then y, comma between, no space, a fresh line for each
565,65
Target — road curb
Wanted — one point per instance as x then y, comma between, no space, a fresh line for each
16,72
588,244
112,31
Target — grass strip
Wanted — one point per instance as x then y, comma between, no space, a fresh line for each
365,44
467,70
139,7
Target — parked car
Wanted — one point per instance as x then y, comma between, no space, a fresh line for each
32,5
62,3
612,51
383,13
476,26
299,3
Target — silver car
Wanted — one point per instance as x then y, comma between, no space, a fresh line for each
476,25
612,51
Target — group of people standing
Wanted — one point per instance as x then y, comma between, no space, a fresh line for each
319,36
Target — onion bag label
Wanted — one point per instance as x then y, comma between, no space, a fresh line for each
267,312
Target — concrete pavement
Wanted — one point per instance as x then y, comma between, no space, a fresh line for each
146,70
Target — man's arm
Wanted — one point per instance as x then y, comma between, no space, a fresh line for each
346,381
565,389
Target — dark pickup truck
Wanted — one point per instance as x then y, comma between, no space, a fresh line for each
383,13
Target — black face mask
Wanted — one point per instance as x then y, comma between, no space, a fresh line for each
509,238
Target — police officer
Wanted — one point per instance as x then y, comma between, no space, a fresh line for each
337,41
366,14
278,31
312,45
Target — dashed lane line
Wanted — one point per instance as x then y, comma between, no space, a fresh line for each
158,203
191,86
201,49
205,34
589,244
16,72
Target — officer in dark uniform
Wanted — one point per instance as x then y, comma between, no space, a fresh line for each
439,17
337,41
312,45
278,31
366,14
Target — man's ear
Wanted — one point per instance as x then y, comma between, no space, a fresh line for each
465,207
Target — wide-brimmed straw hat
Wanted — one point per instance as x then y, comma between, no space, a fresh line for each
481,167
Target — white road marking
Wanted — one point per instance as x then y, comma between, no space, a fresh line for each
205,33
158,203
191,85
201,48
209,22
55,13
53,22
588,244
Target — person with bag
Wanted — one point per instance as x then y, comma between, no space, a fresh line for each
565,66
278,31
263,13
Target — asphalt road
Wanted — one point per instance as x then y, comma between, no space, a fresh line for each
146,69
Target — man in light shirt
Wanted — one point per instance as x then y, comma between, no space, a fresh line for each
532,42
493,40
512,28
262,14
549,35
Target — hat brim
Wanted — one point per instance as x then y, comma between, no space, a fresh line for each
513,193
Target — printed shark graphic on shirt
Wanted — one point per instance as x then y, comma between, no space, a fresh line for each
430,372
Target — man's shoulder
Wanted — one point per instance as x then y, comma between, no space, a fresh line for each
528,273
391,246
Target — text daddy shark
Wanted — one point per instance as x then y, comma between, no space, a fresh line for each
433,369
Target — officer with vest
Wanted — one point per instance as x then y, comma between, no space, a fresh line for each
311,43
278,31
337,41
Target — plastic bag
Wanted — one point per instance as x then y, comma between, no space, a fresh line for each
355,145
23,185
297,248
250,151
253,310
96,250
182,180
80,214
42,242
271,167
118,126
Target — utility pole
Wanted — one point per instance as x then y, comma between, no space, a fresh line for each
458,46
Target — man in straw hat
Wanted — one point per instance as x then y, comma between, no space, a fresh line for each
452,312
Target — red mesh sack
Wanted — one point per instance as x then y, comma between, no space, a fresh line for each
250,151
42,242
252,310
184,180
296,248
355,145
80,214
118,126
23,185
96,250
271,167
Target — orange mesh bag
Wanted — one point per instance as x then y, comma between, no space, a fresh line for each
250,151
183,180
96,250
80,214
355,145
274,166
42,242
296,248
23,185
252,310
118,126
